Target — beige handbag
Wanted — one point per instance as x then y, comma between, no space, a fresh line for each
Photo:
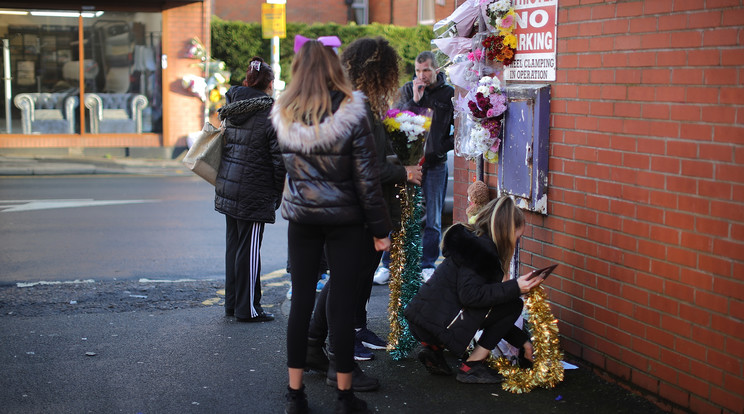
205,155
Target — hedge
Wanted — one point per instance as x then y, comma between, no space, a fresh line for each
236,42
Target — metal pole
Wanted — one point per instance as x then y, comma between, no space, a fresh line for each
8,92
275,66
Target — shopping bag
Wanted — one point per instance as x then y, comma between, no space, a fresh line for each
203,158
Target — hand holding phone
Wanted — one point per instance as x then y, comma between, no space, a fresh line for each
545,272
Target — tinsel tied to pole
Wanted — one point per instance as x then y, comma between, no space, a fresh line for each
405,270
547,368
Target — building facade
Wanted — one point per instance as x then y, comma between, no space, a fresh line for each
100,74
396,12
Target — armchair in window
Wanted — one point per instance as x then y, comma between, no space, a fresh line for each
47,113
115,112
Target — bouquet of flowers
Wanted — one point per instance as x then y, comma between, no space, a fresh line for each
500,17
408,132
485,105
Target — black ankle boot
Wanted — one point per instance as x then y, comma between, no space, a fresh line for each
316,358
348,403
296,401
360,382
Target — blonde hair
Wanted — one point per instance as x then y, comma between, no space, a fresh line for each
316,70
500,219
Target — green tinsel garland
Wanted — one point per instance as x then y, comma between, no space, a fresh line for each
405,271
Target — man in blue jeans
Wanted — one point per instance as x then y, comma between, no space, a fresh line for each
429,89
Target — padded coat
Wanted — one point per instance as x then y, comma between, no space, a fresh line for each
250,179
333,176
452,305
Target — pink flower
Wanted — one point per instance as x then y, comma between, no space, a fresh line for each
507,21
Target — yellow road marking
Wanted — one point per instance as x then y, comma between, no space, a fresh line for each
276,274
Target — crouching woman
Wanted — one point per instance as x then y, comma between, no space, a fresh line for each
470,291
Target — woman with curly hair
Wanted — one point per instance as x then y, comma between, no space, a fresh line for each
372,67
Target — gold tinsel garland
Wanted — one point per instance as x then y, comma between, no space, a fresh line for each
405,271
547,368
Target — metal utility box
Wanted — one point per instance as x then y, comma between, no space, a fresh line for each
524,151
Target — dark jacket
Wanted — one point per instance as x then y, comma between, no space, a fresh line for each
392,172
453,303
438,97
251,175
333,177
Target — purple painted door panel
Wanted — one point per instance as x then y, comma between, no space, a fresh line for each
524,151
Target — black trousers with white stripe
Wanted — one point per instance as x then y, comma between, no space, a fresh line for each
243,267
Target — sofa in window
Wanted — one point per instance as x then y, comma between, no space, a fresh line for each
115,112
47,113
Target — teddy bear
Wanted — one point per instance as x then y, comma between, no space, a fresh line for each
477,197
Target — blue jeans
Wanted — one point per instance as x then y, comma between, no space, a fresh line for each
434,186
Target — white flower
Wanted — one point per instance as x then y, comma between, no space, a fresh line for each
485,90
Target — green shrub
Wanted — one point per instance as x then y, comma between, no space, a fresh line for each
236,42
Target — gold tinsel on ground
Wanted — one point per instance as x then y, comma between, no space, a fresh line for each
547,369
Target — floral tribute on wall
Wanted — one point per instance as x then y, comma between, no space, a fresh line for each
478,41
408,132
211,89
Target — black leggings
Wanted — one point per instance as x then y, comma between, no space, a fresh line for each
347,250
319,324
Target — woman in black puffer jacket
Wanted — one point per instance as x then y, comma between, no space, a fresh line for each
248,189
333,198
471,290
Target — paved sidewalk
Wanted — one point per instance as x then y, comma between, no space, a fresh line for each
196,360
74,165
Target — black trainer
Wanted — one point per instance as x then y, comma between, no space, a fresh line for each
360,382
434,362
348,403
296,401
476,372
316,358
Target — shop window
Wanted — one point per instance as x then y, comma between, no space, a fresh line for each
120,67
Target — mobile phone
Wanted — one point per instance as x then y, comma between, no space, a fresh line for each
546,271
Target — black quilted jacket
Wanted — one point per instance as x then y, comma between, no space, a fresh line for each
333,176
251,176
453,303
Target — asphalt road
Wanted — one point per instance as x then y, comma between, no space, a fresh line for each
60,228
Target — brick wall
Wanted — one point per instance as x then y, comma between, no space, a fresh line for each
405,12
183,111
298,11
646,199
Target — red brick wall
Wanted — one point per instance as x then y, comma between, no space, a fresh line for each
646,199
405,12
298,11
183,112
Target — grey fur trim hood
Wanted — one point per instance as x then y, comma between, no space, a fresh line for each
306,138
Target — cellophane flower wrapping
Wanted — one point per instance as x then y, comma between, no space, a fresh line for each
408,131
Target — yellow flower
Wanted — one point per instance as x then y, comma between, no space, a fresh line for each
511,41
391,124
427,123
214,95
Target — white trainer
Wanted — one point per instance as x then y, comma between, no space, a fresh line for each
426,273
382,276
